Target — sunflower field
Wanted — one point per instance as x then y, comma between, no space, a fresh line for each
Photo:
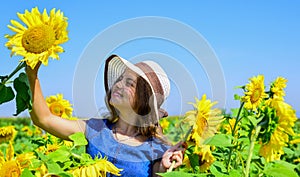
259,138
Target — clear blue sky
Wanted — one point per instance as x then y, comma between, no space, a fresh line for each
248,38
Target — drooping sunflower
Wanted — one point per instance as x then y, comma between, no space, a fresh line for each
281,130
40,38
204,119
59,106
254,93
7,133
100,167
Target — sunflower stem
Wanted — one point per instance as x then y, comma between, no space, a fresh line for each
76,156
17,69
252,143
233,131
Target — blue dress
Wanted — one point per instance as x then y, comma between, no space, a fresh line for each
136,161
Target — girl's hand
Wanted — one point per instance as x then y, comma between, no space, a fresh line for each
32,72
175,153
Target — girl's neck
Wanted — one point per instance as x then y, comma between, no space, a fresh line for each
123,127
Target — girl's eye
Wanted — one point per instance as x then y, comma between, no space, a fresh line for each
130,83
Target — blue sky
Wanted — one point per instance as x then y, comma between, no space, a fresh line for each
247,38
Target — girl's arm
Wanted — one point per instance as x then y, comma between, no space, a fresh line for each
41,115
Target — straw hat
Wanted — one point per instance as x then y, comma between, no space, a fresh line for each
148,70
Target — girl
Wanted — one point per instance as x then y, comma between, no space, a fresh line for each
130,135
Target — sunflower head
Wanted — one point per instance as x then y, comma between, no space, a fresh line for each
281,120
99,167
206,159
254,93
59,106
277,88
10,169
40,36
204,119
7,133
164,123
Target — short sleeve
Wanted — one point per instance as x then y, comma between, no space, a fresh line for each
94,126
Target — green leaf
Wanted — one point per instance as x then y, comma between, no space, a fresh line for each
7,93
64,174
60,155
217,171
53,167
26,173
23,97
280,169
219,140
78,139
181,174
235,173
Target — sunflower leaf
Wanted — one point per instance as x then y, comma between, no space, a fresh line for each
23,97
219,140
280,169
60,155
26,173
7,94
78,139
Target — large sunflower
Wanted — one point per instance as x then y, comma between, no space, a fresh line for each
286,117
99,168
255,93
40,38
59,106
204,119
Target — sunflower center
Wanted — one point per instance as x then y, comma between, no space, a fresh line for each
38,38
256,95
57,109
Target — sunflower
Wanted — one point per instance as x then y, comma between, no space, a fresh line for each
10,165
204,119
99,168
59,106
24,159
40,38
255,93
281,129
7,133
28,131
227,126
277,88
10,169
164,123
206,159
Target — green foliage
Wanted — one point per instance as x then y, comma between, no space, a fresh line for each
7,93
23,96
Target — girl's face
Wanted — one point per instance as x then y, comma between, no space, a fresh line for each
123,91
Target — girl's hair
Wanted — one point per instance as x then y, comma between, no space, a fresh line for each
143,106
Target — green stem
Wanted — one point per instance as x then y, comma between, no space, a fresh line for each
252,143
233,130
76,156
17,69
